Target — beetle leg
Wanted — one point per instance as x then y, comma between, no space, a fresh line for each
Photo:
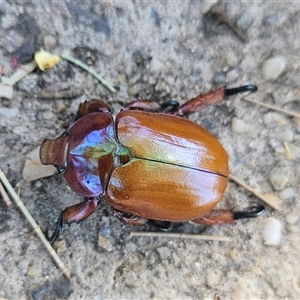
90,107
209,98
162,225
75,213
152,106
128,218
227,216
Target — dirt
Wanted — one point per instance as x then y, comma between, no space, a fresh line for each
161,51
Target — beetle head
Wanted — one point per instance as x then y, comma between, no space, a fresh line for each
54,152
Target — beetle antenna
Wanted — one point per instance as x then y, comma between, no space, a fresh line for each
56,233
250,212
244,88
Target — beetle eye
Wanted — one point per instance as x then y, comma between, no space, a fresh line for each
60,169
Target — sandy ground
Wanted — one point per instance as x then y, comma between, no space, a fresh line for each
158,50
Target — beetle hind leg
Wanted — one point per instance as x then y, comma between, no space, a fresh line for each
128,218
75,213
228,216
203,100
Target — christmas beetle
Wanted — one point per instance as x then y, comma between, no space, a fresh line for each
149,163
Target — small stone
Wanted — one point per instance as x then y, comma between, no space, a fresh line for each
294,228
164,252
176,259
279,177
273,118
49,42
60,246
239,126
105,243
232,75
234,254
272,231
207,5
34,169
29,83
245,21
35,270
156,65
9,112
48,115
6,91
219,78
273,67
131,246
287,193
60,106
292,218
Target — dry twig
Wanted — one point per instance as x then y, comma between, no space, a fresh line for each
181,236
33,224
273,107
248,188
4,195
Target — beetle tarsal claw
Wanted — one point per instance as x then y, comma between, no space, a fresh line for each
250,212
244,88
56,233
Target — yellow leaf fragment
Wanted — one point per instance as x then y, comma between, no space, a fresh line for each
46,60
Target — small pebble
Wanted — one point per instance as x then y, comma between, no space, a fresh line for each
287,193
232,75
49,42
207,5
29,83
279,177
48,115
164,252
239,126
273,67
35,270
105,243
6,91
176,259
234,254
273,118
245,21
156,65
9,112
272,231
131,246
60,246
34,169
292,218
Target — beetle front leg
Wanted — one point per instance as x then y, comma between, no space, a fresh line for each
209,98
75,213
227,216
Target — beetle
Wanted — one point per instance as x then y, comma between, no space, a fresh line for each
150,163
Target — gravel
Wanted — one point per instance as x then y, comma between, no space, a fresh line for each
166,51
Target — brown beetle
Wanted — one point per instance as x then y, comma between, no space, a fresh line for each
148,165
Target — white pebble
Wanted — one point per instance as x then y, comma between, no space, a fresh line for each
279,177
6,91
9,112
35,270
156,65
292,218
239,126
164,252
287,193
105,243
34,169
273,67
272,231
